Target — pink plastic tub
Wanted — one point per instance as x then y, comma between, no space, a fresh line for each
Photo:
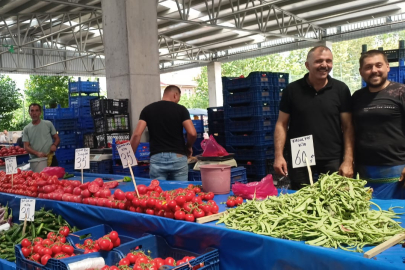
216,178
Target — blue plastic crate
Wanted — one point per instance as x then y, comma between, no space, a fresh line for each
21,159
110,258
142,153
102,166
215,114
85,87
141,171
256,166
198,125
258,78
252,94
262,124
118,169
251,152
238,174
67,139
24,264
255,138
65,154
216,126
158,247
85,124
81,101
82,112
59,113
65,124
268,108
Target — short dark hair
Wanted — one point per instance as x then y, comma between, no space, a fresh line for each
34,104
371,53
170,88
324,48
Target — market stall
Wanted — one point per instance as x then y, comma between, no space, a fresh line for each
237,249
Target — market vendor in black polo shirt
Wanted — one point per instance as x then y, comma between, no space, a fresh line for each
316,105
379,122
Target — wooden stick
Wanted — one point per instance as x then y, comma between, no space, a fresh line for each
133,177
206,219
25,224
82,175
309,172
387,244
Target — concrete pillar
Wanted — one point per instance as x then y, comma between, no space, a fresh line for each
131,53
215,84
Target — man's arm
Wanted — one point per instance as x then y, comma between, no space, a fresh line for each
346,168
280,136
191,136
28,148
136,136
56,141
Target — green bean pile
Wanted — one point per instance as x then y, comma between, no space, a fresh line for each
334,212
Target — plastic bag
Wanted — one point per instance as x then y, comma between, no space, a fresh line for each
262,189
212,148
58,171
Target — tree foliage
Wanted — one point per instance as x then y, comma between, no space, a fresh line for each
48,90
10,101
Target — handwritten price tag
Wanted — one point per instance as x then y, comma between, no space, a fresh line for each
82,158
27,209
126,154
301,148
11,165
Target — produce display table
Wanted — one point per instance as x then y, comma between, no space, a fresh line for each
237,249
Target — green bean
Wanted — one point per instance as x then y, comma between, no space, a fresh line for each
334,212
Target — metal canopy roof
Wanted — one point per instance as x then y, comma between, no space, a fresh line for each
66,36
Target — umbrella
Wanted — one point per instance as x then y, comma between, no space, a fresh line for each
198,111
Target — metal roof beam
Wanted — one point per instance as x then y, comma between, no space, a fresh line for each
70,4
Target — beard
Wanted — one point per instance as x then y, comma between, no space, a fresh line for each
378,84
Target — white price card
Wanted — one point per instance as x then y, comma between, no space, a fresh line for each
27,209
301,148
11,165
82,158
126,154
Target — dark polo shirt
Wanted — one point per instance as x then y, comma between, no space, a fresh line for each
317,113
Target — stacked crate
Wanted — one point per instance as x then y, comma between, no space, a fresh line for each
216,124
251,107
198,123
142,155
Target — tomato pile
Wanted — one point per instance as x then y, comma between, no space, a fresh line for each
24,183
54,246
234,201
141,261
106,243
2,163
12,151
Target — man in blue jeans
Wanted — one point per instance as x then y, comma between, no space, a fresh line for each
165,120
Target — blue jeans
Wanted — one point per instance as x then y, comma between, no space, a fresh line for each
168,166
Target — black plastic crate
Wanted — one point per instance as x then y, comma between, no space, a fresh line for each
215,114
108,106
111,123
89,140
216,126
105,140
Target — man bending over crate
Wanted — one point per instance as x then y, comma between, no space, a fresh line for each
165,120
40,137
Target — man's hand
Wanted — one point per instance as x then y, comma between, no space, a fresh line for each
346,169
189,151
402,177
40,154
280,166
53,148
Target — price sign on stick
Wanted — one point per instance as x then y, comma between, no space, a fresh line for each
11,165
82,158
302,148
126,154
27,209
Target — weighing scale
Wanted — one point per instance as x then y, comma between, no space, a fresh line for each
100,154
227,160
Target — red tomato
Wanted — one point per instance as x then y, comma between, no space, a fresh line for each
180,262
196,190
64,230
151,202
56,249
168,214
129,195
141,189
159,262
198,213
180,200
209,196
45,259
180,215
61,239
47,251
104,244
47,242
113,235
131,257
149,211
230,203
119,195
93,187
25,242
99,181
124,261
189,217
85,193
169,261
172,204
68,249
26,251
214,209
238,200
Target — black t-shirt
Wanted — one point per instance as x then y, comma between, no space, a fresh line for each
165,124
317,114
379,122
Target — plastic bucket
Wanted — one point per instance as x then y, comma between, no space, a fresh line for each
38,164
216,178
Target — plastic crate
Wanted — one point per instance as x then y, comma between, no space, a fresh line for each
86,124
215,114
238,174
111,123
84,87
110,258
82,112
216,126
141,171
255,138
252,94
81,101
158,247
67,139
68,165
59,113
198,125
142,152
102,166
257,78
24,264
262,124
65,124
397,74
109,106
252,152
88,140
105,140
268,108
256,166
65,154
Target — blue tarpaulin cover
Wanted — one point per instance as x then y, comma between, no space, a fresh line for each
237,249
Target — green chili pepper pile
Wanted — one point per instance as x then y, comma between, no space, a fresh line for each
334,212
